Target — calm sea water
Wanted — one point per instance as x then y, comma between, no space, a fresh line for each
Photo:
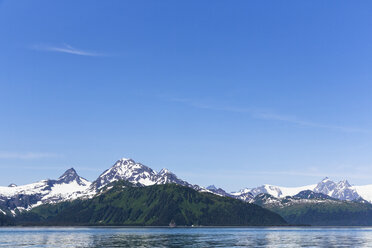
185,237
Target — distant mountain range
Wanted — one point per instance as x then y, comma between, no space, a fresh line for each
311,208
341,190
70,186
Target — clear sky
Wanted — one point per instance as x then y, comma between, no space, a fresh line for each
231,93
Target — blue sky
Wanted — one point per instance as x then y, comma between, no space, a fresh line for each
237,94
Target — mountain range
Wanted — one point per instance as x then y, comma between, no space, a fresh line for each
311,208
70,186
123,203
341,190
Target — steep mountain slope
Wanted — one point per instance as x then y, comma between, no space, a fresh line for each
129,170
6,220
311,208
136,173
155,205
69,186
341,190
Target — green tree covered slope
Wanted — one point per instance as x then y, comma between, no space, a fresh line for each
154,205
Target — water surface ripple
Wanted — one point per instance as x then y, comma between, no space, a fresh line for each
185,237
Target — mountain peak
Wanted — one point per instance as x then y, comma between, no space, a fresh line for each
325,179
211,187
326,186
126,169
344,183
71,175
218,191
128,164
138,174
128,160
164,171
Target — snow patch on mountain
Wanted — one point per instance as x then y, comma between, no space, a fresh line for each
29,189
69,191
69,186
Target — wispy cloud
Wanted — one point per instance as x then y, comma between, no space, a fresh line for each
66,48
294,120
270,116
26,155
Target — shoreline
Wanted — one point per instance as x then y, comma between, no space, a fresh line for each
188,227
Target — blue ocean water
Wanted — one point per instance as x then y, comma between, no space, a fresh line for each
185,237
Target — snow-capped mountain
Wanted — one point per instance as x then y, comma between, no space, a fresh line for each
303,197
71,176
325,186
276,191
218,191
165,176
341,190
71,186
126,169
68,186
138,174
244,195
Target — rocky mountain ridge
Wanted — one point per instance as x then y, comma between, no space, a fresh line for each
70,186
